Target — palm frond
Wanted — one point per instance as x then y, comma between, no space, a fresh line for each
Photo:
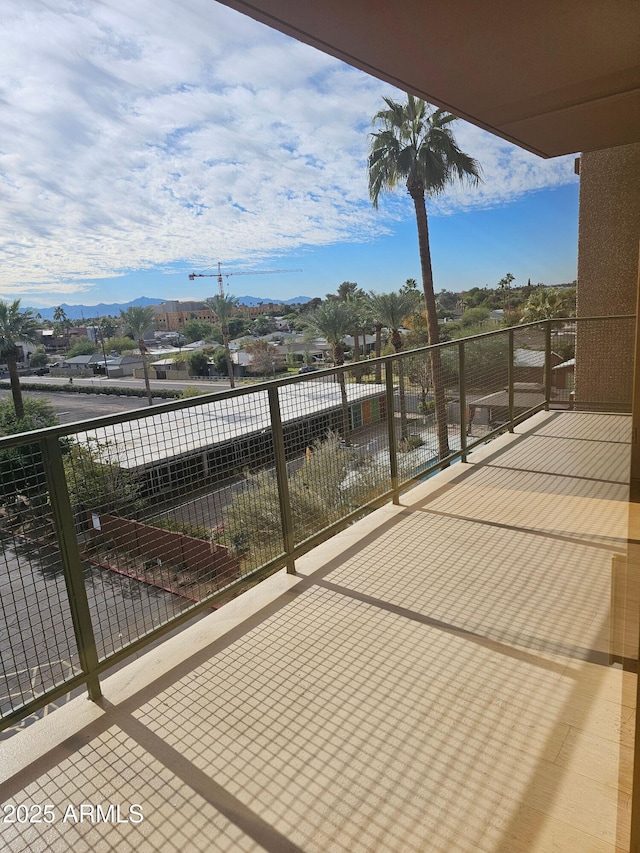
415,142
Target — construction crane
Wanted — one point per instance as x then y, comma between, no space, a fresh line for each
220,275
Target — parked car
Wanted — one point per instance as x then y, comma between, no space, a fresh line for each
307,368
41,371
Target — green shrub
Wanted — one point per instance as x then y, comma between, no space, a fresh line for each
39,358
192,391
332,481
22,468
428,407
82,346
160,393
411,442
197,531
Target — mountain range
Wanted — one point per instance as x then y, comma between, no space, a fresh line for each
103,309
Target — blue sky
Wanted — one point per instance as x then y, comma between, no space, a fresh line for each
139,142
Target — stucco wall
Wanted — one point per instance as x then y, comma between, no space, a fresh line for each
608,243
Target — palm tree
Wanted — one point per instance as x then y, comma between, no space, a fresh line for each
390,309
138,320
415,144
358,304
543,305
15,326
61,324
333,320
224,306
505,286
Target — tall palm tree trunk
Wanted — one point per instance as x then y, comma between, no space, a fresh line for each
378,352
396,340
145,370
227,355
356,355
338,361
437,379
14,379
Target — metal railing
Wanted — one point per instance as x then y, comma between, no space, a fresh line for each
118,529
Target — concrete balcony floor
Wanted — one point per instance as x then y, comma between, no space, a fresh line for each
435,678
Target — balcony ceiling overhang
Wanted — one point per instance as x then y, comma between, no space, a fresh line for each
555,77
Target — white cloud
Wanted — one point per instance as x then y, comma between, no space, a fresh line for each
134,135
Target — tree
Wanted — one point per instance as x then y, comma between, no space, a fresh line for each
390,309
96,484
61,323
266,359
138,320
415,144
224,306
505,286
262,326
22,468
418,368
120,344
345,290
39,358
333,320
197,330
355,297
15,326
198,363
220,361
474,317
238,326
310,306
359,305
107,327
82,346
543,304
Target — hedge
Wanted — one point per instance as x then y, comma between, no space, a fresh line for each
67,388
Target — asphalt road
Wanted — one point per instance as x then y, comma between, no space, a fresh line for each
73,407
78,407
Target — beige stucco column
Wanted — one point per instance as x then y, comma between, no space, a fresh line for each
609,230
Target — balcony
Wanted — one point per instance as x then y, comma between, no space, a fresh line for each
453,672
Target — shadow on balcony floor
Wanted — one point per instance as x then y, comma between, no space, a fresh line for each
436,678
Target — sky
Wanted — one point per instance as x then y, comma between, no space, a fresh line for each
143,141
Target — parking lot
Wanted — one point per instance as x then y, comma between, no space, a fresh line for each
37,642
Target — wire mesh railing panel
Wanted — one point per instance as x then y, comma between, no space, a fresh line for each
37,642
529,368
426,409
336,443
563,367
486,381
162,505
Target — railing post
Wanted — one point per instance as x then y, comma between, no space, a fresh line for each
547,365
510,372
462,383
391,432
71,563
286,516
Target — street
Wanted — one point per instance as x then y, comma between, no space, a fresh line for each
71,407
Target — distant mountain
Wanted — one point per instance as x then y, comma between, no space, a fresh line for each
252,301
78,312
